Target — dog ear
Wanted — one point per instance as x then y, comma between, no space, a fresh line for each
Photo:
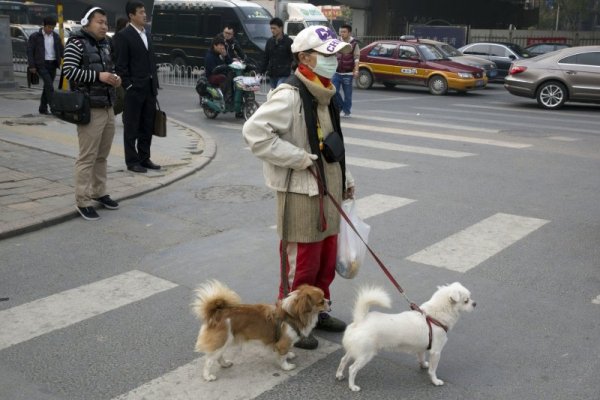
454,297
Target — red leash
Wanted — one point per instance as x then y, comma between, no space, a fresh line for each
413,306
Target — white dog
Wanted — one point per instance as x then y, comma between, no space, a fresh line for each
408,331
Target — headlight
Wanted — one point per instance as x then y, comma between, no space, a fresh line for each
465,75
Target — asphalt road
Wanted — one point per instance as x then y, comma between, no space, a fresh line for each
483,188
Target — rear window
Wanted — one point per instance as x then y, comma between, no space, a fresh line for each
592,58
519,51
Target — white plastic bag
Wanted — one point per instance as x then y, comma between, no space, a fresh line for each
351,250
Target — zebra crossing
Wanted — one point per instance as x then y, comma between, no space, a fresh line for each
459,252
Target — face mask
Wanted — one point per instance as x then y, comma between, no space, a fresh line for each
326,66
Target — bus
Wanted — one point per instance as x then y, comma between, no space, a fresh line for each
27,13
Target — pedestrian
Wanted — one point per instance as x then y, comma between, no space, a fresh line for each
137,69
44,51
346,71
234,50
278,58
216,56
281,135
89,67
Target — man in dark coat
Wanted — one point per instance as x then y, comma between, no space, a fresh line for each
137,69
278,58
44,51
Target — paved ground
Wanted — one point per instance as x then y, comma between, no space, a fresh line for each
37,158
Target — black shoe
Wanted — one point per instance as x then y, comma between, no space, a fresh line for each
330,324
307,342
137,168
149,164
107,202
88,213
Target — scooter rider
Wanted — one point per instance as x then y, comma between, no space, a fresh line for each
217,56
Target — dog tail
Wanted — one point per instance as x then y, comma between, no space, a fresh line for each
367,297
211,297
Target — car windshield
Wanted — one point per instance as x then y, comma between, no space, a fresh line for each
256,22
449,51
431,53
521,52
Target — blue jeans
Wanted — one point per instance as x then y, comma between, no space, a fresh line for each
345,81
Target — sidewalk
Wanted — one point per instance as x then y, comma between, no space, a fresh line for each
37,159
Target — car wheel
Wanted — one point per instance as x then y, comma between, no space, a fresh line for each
438,85
551,95
364,80
389,85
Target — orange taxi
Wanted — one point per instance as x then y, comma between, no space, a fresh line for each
397,62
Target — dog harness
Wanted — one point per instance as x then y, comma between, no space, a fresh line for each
279,323
431,320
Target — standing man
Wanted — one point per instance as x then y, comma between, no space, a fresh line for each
90,69
234,50
347,70
277,61
44,51
137,69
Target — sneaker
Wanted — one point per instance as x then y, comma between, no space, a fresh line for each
107,202
307,342
346,115
88,213
330,324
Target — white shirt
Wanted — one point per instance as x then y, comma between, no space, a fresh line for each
142,33
49,47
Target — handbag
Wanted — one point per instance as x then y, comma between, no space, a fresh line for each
33,78
70,106
333,148
160,122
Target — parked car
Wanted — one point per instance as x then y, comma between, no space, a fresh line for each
491,71
503,54
395,62
571,74
19,35
543,48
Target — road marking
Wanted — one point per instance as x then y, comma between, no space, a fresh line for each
470,247
439,136
254,372
29,320
428,123
195,110
376,204
596,300
375,164
563,138
386,99
406,149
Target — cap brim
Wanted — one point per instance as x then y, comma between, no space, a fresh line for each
333,46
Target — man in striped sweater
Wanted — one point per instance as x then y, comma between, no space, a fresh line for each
90,69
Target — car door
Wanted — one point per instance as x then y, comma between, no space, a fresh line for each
382,61
407,61
503,58
582,72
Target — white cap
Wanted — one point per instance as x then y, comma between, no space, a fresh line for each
319,38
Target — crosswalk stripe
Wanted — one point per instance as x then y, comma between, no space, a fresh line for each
475,244
254,371
376,204
29,320
420,123
376,144
375,164
439,136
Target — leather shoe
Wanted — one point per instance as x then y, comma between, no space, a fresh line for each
137,168
149,164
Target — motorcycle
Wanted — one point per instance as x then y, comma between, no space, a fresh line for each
245,84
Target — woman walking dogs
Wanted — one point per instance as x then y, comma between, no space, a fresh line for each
290,133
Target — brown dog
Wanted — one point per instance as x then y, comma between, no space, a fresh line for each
226,320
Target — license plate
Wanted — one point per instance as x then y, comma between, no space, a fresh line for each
479,83
492,74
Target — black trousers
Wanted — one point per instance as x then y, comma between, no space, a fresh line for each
48,73
138,120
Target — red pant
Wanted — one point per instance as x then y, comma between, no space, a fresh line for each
311,263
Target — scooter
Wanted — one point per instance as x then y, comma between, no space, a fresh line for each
243,101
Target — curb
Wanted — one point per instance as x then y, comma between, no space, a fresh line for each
208,152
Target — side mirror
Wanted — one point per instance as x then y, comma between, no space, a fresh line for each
512,57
